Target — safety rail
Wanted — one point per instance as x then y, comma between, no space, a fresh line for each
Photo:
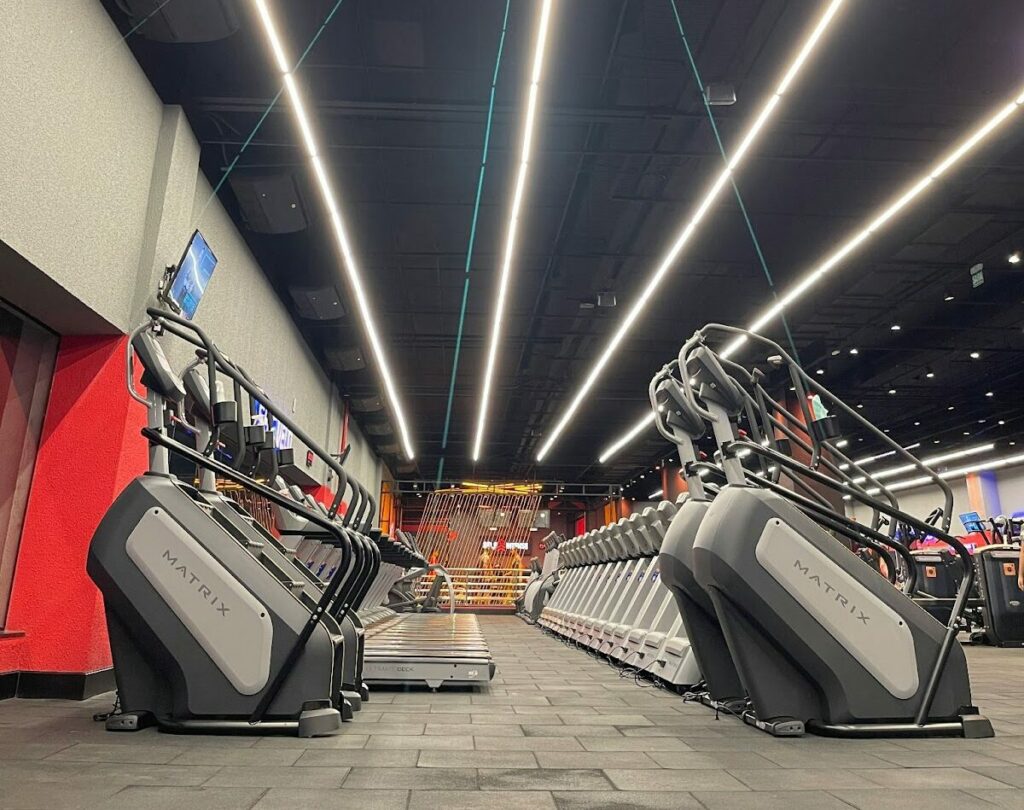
480,587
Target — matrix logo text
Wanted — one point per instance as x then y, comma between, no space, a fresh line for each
192,579
830,590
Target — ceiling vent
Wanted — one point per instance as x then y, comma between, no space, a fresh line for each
318,304
367,404
270,203
183,20
349,358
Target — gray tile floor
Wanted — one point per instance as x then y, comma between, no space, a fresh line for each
556,729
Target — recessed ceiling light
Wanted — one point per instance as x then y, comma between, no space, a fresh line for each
916,424
990,393
935,441
951,408
860,404
981,421
854,351
895,327
820,371
1012,444
1014,258
1002,421
886,430
949,297
975,355
892,390
967,433
930,374
835,352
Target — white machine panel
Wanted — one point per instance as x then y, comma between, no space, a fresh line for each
229,623
870,630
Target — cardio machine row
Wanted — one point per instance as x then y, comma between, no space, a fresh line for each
788,627
611,598
215,623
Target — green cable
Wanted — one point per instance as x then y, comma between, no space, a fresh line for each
266,112
472,240
732,178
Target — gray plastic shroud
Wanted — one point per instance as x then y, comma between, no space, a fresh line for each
159,665
790,661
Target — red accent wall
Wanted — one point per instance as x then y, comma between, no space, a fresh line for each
90,449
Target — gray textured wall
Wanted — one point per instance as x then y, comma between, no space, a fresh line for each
79,125
100,189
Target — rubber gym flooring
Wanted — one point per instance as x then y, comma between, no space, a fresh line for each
556,729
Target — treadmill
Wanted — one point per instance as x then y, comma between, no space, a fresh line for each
398,648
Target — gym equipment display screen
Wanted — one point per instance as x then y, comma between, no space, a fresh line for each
194,271
971,521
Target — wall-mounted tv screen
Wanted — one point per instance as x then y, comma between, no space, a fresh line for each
194,271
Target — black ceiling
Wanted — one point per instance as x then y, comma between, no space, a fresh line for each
399,91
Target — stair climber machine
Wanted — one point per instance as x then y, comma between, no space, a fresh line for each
257,443
611,600
542,584
211,631
418,647
801,631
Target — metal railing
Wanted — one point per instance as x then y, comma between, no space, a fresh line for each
480,587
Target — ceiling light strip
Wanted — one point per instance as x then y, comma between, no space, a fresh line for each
981,466
928,462
880,220
337,221
815,275
529,123
710,197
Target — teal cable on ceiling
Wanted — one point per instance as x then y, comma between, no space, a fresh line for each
732,179
472,240
266,112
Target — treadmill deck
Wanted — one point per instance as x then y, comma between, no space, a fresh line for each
409,649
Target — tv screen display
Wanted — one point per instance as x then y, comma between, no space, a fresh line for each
194,271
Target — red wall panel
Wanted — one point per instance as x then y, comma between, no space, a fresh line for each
89,451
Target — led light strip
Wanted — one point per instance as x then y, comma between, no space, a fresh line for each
710,197
860,462
513,220
337,222
655,494
928,462
908,196
815,275
992,464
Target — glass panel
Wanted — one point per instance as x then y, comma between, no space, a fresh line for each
27,356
